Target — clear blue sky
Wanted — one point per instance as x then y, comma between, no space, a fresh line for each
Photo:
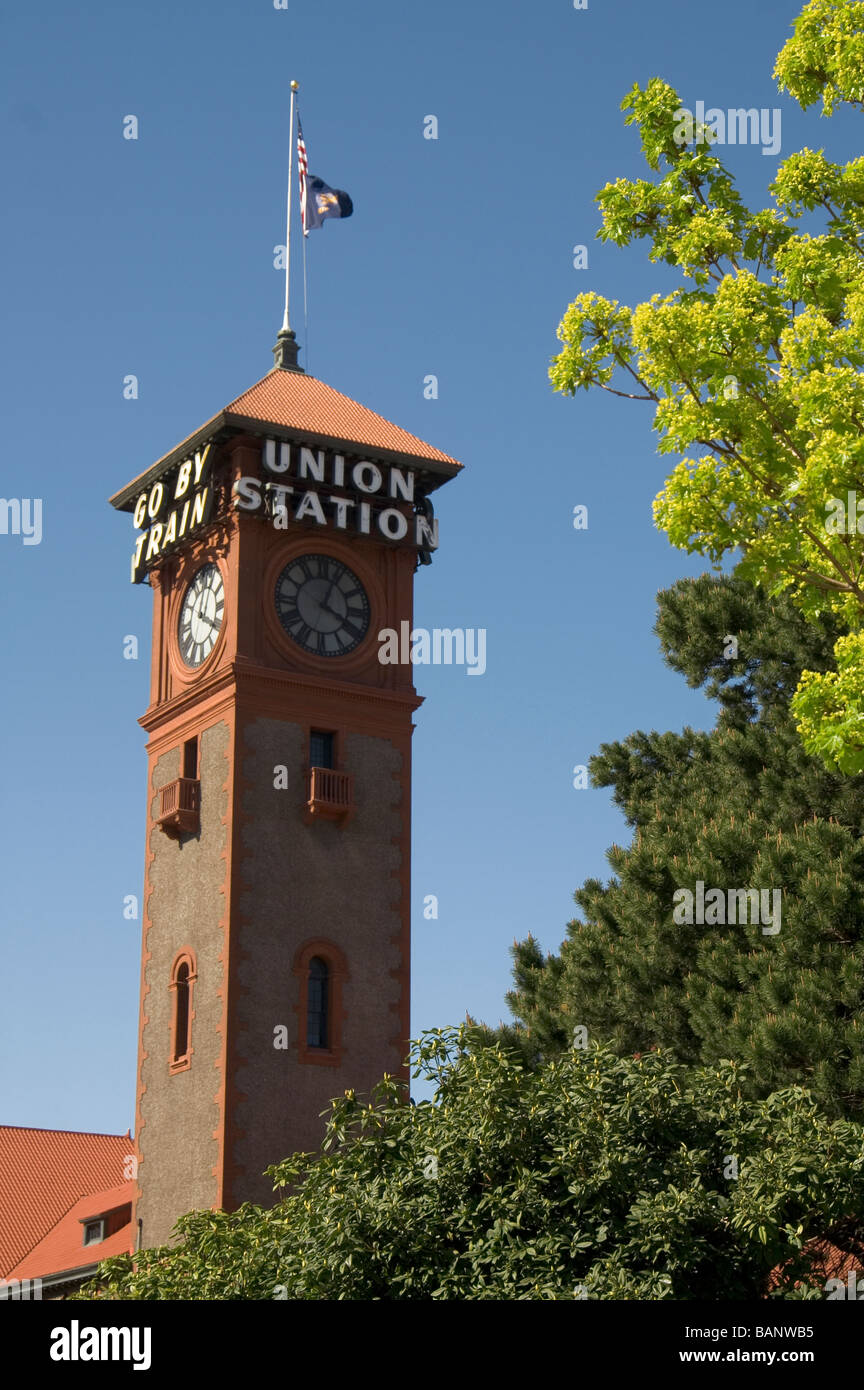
155,258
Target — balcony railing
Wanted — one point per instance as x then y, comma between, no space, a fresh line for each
179,806
330,793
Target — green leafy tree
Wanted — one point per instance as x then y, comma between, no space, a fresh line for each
591,1177
825,56
741,806
753,365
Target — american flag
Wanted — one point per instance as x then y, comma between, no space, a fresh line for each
302,170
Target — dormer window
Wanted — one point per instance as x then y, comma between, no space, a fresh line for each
94,1232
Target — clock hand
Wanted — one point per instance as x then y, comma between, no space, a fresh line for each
198,614
325,605
322,605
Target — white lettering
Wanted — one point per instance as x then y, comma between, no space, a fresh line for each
310,466
183,475
402,485
157,496
361,472
200,460
247,494
392,524
310,505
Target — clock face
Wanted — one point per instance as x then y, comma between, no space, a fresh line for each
201,615
322,605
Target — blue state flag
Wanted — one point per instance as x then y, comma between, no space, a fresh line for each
323,201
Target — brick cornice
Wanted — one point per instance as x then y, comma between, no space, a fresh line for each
241,681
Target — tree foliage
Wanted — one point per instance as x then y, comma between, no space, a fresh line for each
753,365
825,56
743,805
592,1177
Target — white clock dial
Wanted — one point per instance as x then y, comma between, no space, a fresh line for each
201,615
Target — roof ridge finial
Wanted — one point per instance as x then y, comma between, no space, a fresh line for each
285,351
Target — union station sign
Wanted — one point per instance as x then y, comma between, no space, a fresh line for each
297,484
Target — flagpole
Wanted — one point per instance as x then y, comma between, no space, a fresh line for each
286,322
285,351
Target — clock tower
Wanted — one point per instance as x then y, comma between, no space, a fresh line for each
279,540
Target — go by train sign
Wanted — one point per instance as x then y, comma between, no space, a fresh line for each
171,510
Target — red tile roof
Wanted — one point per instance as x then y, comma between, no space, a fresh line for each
43,1172
63,1247
309,407
299,402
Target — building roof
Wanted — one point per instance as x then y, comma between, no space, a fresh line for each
43,1173
299,402
309,408
63,1250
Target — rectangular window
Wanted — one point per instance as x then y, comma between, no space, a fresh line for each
322,749
190,758
93,1232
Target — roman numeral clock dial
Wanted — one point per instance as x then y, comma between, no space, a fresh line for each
322,605
201,615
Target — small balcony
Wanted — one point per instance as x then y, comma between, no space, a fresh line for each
330,794
179,807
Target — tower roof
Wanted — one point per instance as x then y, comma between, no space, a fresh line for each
300,406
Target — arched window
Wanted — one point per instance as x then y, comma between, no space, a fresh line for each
321,971
182,978
181,1012
318,1004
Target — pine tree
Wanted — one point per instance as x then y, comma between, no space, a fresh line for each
742,806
